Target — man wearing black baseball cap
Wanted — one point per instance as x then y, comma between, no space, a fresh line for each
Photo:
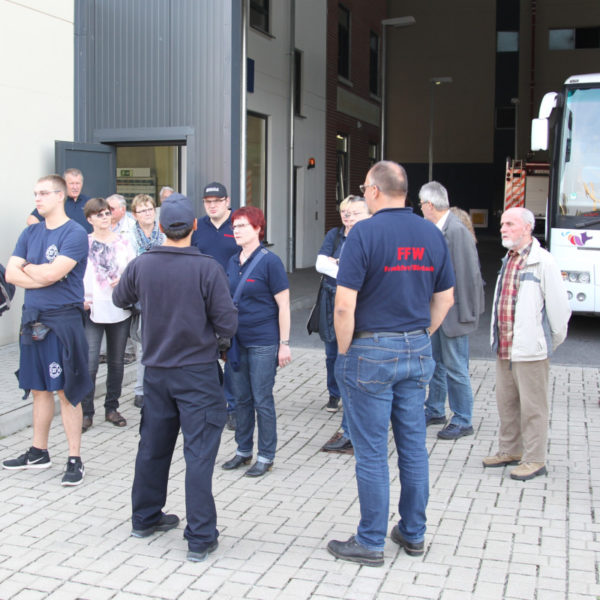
214,237
186,306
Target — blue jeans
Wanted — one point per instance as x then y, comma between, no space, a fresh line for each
451,377
331,351
385,378
227,388
252,387
116,340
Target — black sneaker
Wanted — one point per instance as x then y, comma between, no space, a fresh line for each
201,556
74,473
165,523
333,405
29,460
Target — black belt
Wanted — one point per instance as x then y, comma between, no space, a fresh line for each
369,334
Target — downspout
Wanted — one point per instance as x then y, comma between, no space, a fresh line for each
290,221
243,103
533,5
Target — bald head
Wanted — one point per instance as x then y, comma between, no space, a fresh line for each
385,186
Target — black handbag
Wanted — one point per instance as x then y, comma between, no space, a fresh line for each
312,325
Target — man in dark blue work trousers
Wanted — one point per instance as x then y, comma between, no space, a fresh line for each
186,307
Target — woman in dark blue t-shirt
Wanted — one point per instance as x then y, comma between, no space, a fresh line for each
262,339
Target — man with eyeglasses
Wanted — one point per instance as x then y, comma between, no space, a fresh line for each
394,287
49,262
122,222
74,203
214,237
450,342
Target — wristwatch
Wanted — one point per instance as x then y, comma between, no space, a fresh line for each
285,342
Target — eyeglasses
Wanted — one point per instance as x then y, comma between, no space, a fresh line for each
240,226
353,214
144,211
421,204
364,186
103,214
44,193
214,200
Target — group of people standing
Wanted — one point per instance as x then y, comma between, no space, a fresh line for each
399,296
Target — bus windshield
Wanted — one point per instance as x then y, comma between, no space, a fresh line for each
579,165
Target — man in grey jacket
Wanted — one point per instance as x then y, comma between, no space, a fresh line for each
450,343
529,319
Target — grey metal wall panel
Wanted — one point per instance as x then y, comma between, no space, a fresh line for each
158,64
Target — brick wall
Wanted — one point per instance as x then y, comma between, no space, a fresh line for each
365,17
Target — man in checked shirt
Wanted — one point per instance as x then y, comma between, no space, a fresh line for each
529,319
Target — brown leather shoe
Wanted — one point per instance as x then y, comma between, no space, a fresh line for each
116,418
86,423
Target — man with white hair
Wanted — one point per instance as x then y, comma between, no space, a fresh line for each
450,343
122,222
529,319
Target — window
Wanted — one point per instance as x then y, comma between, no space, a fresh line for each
341,149
298,82
256,162
374,64
343,42
373,153
259,15
574,39
507,41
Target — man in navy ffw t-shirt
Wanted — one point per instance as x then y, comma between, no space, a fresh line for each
214,237
394,288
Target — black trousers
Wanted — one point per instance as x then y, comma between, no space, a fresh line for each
191,398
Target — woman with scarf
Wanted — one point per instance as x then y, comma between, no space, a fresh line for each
146,235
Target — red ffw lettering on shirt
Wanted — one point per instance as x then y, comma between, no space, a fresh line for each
228,235
410,252
251,280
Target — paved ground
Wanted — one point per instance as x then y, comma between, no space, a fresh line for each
488,536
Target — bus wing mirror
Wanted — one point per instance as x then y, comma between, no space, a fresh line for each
539,134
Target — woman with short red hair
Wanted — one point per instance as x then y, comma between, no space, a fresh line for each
260,288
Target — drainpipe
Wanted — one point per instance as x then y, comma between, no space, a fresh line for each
243,103
533,5
290,220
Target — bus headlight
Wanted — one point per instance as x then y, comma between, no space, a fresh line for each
581,297
576,276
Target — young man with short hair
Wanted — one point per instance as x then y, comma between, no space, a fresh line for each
49,262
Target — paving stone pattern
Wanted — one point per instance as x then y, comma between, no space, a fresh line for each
488,537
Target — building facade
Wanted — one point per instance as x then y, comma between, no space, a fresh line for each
496,60
36,105
353,97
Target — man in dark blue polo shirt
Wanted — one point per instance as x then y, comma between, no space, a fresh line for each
394,287
186,306
74,203
214,237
